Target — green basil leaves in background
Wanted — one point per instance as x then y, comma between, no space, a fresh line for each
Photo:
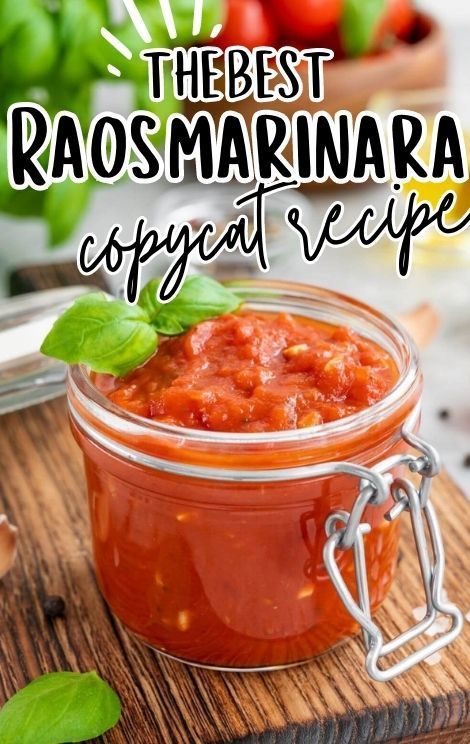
79,28
108,336
59,708
52,53
4,183
200,298
31,51
113,337
12,15
359,24
64,206
136,70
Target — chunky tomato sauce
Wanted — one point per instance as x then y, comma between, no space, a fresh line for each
257,372
229,573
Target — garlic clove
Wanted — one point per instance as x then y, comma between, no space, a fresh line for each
8,545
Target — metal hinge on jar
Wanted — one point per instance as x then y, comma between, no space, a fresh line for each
346,531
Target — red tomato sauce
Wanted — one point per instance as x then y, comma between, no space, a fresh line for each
256,372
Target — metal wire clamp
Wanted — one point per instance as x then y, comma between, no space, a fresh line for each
346,531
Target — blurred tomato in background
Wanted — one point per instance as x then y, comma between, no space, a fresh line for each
349,27
396,22
247,23
309,20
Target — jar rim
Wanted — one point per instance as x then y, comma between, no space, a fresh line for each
297,296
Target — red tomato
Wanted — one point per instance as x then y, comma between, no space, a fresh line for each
248,24
307,19
334,42
397,20
328,41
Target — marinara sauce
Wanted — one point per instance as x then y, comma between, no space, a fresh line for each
256,372
208,545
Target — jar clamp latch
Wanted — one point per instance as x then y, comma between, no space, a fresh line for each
345,531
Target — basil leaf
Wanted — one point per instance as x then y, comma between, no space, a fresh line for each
200,298
79,27
31,51
26,203
64,206
359,23
113,337
12,15
60,707
107,336
5,188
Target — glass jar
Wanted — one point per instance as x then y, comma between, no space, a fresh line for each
210,547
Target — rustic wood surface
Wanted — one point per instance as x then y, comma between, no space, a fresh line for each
329,701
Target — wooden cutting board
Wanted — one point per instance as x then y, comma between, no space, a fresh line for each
330,701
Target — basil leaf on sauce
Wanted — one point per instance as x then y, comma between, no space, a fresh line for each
108,336
112,337
359,24
200,298
58,708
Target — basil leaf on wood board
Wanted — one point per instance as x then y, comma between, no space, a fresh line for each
59,708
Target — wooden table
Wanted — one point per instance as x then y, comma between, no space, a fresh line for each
330,701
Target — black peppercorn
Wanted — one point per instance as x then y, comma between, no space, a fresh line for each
466,461
54,607
444,414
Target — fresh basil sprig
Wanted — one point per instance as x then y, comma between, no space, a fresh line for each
359,24
58,708
113,337
200,298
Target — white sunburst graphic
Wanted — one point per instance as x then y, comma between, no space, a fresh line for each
145,35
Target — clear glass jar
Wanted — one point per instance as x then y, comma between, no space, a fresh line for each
209,546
